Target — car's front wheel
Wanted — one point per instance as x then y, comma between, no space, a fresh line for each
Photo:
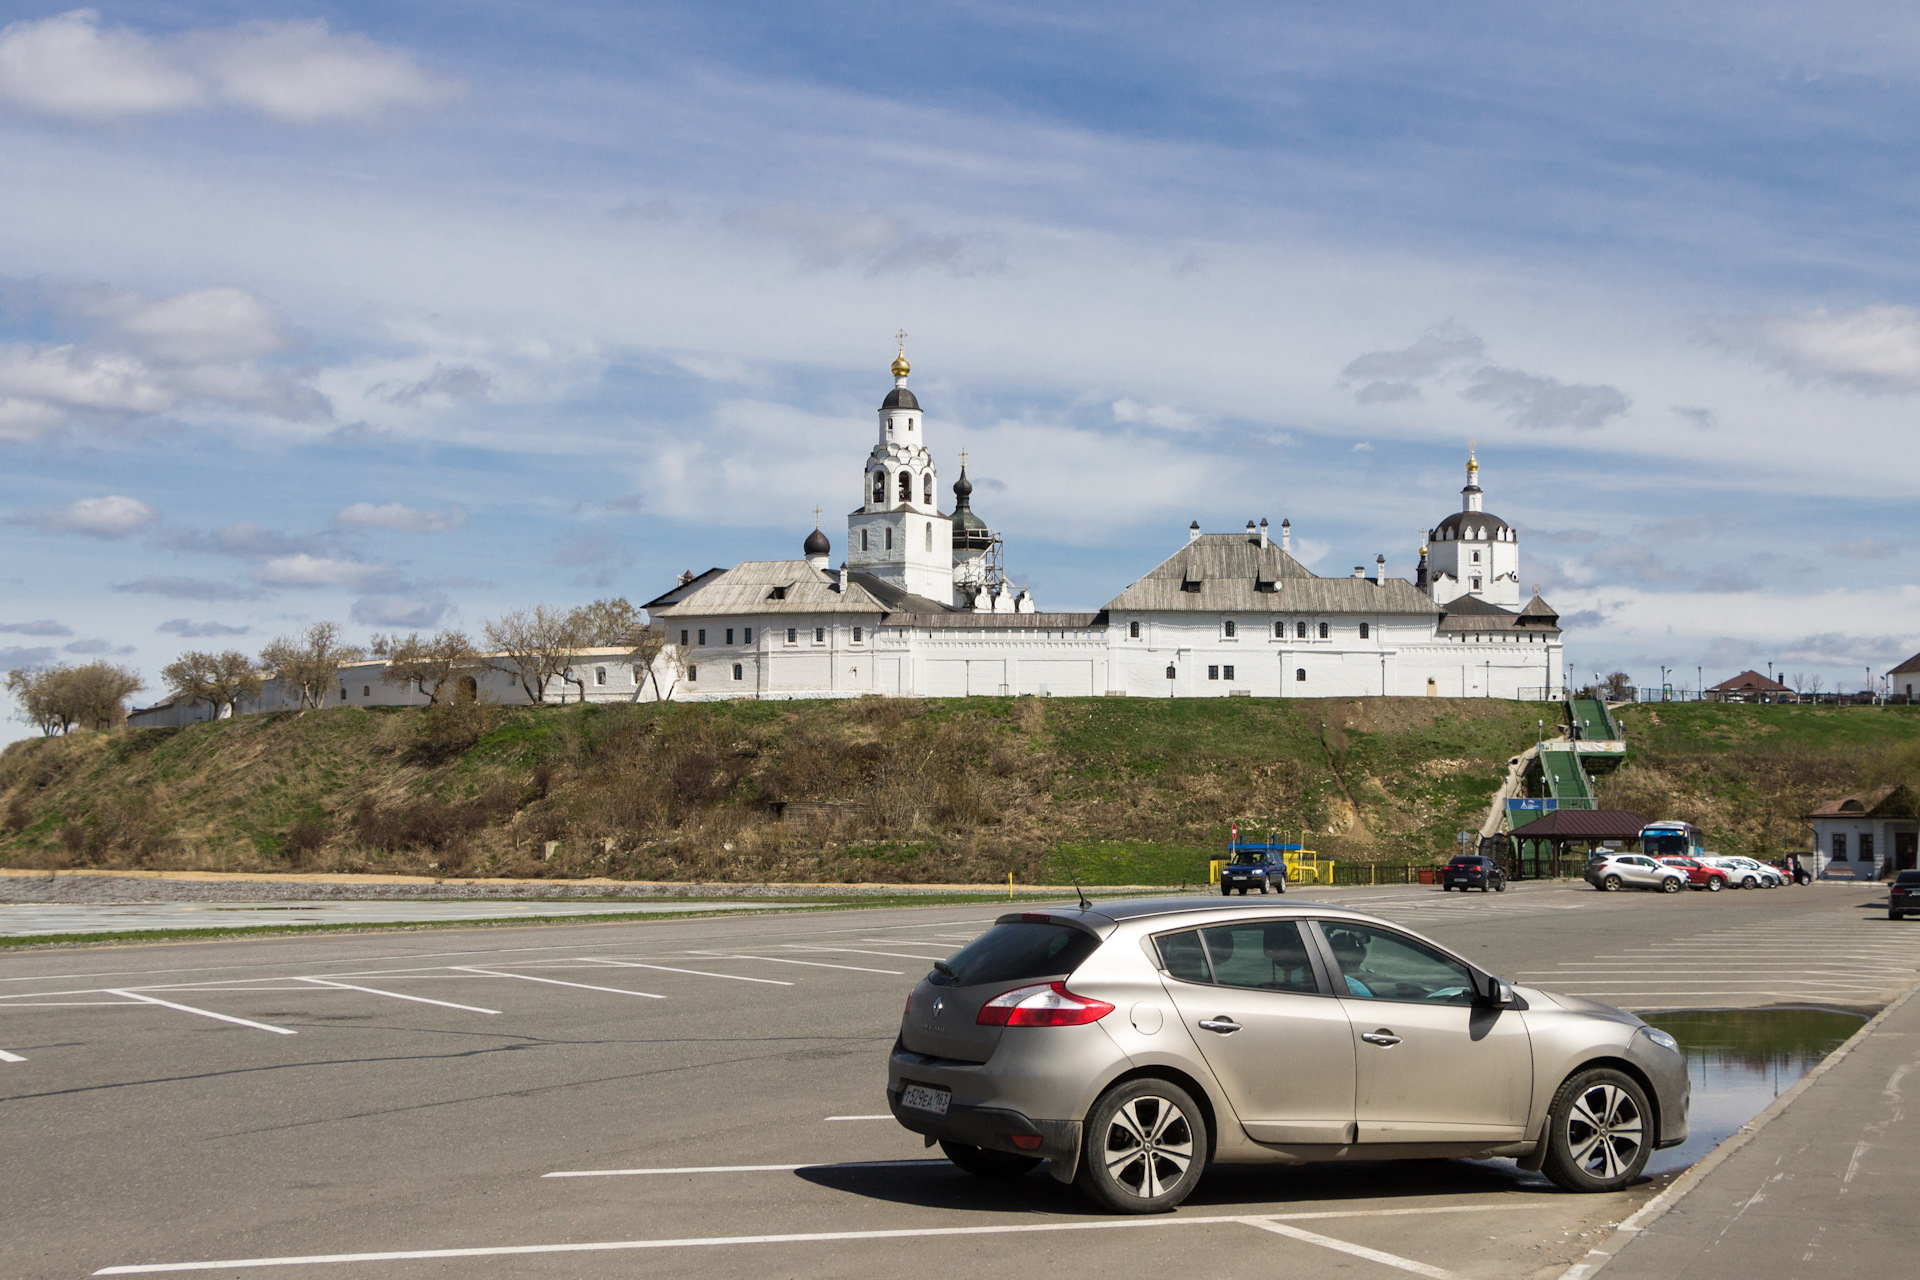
1716,883
984,1163
1500,887
1611,884
1226,891
1749,883
1145,1147
1600,1131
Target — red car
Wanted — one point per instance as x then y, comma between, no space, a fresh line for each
1699,874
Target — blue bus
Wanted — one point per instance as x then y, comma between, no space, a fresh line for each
1672,840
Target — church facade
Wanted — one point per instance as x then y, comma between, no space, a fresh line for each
920,607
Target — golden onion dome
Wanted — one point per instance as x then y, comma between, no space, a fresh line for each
900,366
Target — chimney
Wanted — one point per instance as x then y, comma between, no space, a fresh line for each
1380,569
840,579
1264,544
1286,535
1193,531
1249,531
1359,571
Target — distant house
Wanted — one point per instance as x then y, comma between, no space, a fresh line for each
1748,686
1902,679
1858,837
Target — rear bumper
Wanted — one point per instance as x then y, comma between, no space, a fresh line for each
995,1128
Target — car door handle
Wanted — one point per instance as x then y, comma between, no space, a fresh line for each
1383,1037
1221,1026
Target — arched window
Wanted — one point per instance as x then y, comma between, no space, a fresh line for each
879,486
926,490
906,486
737,671
1228,629
1133,631
1300,674
1279,631
1170,671
1323,631
1365,631
929,535
599,675
1299,631
889,537
863,539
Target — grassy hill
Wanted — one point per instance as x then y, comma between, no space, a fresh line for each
1111,790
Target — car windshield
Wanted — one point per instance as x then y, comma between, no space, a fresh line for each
1248,859
1018,951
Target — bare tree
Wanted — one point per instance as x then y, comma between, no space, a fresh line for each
217,679
60,699
650,651
533,646
312,662
605,623
1616,685
39,700
430,665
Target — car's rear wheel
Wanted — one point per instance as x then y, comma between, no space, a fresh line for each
1600,1131
983,1163
1611,884
1671,884
1501,887
1226,891
1716,883
1145,1147
1749,883
1896,915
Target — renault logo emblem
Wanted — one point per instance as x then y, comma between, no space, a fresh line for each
939,1003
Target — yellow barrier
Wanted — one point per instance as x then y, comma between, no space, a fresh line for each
1213,870
1305,867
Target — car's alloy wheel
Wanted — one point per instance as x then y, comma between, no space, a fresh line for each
1749,883
984,1163
1611,884
1500,887
1670,885
1599,1138
1145,1147
1716,883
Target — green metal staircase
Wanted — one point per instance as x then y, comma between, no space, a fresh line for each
1566,781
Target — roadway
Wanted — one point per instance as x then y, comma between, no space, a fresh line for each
709,1091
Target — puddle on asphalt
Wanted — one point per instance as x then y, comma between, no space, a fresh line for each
1740,1061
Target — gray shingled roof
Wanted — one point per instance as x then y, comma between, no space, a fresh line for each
748,588
1471,613
1227,568
896,598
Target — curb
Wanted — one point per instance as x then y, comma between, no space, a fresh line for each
1650,1212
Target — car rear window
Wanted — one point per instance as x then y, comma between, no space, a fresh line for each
1908,878
1018,951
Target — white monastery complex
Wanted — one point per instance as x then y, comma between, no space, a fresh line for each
920,606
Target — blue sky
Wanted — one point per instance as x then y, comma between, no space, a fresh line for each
406,315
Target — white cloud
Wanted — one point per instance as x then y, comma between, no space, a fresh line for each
454,382
109,517
17,656
1866,349
188,588
43,627
97,647
68,66
399,517
1534,400
880,244
401,609
1388,377
305,570
1166,417
146,356
196,630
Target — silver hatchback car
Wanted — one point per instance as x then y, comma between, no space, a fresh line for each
1132,1043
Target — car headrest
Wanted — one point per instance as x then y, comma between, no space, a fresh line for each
1283,947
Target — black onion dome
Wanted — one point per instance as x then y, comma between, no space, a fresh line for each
1471,525
817,544
900,398
963,487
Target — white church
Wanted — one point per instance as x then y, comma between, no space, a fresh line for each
920,606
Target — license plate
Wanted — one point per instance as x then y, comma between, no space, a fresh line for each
921,1098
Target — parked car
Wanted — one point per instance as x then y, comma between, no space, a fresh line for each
1471,872
1903,895
1792,868
1132,1043
1253,871
1699,874
1748,873
1634,871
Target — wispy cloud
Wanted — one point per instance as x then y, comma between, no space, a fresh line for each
109,517
189,588
1536,401
44,627
1875,349
398,517
196,630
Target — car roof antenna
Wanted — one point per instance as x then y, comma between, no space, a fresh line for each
1084,904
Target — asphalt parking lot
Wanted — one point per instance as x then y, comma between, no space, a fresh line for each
704,1098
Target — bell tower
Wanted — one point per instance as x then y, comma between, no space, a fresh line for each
899,533
1473,552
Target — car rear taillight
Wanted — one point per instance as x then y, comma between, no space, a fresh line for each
1044,1004
1026,1141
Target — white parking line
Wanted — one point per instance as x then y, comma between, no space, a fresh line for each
698,973
821,1237
888,1116
395,995
811,964
205,1013
527,977
749,1168
10,1057
898,955
1343,1246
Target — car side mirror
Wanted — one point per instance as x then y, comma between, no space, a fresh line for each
1502,994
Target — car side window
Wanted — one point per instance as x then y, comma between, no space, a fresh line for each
1270,955
1183,956
1379,965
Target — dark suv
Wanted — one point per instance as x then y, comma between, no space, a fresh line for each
1903,895
1470,872
1253,871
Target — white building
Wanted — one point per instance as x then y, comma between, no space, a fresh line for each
920,607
